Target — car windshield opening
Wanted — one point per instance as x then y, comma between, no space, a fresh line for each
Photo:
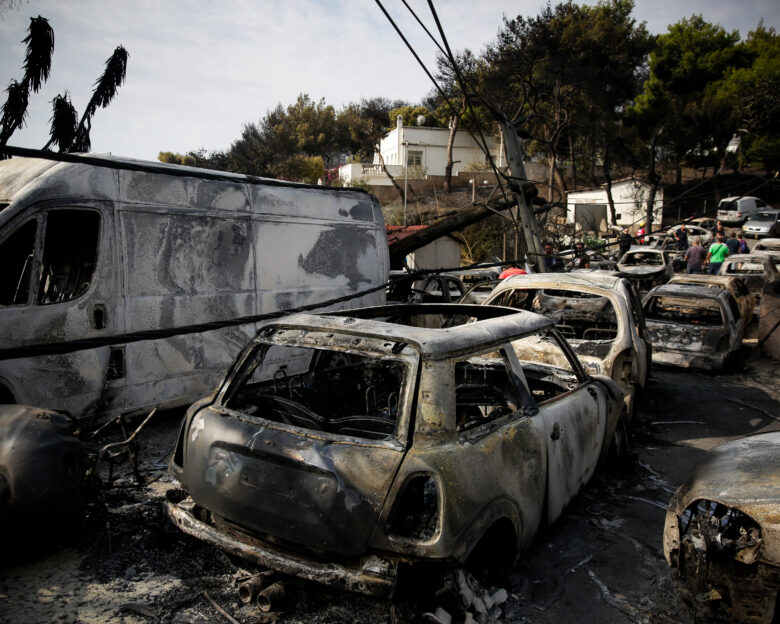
322,390
643,258
684,310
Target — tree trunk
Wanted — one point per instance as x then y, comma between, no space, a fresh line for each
454,121
400,249
389,175
654,179
608,180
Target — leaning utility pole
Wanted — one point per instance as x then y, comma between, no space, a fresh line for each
519,184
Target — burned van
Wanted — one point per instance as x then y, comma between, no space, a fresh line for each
101,247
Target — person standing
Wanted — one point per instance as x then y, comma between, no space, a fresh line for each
743,246
716,255
694,256
624,242
718,231
640,233
551,262
681,236
733,244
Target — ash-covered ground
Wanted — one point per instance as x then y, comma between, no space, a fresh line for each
602,562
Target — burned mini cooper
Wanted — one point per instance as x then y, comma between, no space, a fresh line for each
693,326
342,447
646,267
722,529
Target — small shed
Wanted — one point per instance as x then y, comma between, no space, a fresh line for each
442,253
589,208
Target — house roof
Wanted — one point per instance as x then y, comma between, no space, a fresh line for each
396,233
601,187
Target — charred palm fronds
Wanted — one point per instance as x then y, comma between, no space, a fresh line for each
37,64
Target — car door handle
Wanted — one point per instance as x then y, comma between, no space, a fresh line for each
556,432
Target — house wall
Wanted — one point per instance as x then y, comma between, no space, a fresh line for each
630,199
432,143
440,254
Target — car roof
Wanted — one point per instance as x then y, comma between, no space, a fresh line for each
686,290
745,257
595,279
495,325
644,248
765,211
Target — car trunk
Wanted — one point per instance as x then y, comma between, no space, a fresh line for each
323,492
699,339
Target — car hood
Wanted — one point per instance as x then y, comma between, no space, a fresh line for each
745,471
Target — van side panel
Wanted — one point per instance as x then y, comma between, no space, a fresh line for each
176,251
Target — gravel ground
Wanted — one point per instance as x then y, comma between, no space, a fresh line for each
601,562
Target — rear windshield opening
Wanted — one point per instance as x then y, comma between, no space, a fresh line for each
745,268
577,315
642,258
322,390
683,310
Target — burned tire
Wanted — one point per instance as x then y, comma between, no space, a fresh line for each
620,442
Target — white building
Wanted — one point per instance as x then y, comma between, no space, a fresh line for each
590,208
424,151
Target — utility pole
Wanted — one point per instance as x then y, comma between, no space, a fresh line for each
522,188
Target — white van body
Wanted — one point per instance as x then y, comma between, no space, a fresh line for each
739,209
107,246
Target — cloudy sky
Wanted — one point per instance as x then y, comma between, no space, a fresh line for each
199,70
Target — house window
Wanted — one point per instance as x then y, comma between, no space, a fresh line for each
414,158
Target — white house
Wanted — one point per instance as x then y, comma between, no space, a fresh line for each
424,151
590,208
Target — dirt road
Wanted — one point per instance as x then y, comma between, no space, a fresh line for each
602,562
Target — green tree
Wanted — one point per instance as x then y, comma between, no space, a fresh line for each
559,73
682,112
756,89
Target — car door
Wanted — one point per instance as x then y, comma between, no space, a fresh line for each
573,410
59,286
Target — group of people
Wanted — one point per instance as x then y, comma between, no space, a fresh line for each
696,257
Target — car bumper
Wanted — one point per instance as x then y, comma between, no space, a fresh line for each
371,575
704,361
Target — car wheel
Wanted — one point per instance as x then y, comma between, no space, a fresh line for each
620,441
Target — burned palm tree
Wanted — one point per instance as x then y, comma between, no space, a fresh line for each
37,64
106,88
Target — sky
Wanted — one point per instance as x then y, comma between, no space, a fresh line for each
199,70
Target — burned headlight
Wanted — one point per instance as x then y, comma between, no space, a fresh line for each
416,514
717,530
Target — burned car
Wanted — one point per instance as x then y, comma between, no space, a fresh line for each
646,267
342,447
722,530
600,316
757,270
693,326
733,283
42,469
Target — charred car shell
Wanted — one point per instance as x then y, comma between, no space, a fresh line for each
388,444
692,326
598,313
722,529
646,267
42,467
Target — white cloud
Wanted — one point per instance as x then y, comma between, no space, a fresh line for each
199,70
